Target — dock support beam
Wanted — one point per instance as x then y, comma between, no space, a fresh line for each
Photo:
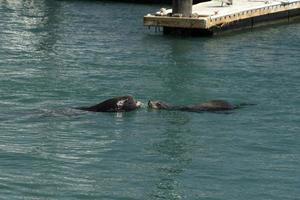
182,8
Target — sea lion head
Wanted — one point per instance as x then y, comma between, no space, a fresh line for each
116,104
157,105
127,103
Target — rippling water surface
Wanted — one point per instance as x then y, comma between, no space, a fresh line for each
57,55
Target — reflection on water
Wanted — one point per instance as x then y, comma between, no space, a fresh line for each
175,149
178,77
181,76
39,21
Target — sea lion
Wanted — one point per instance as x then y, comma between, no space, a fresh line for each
116,104
210,106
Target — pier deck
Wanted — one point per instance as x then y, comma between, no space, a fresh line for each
212,17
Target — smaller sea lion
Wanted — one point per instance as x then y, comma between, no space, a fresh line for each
116,104
210,106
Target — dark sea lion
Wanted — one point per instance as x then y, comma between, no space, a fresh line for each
210,106
116,104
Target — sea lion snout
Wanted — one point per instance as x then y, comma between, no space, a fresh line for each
138,104
157,105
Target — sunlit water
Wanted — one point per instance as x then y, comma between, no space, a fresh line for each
57,55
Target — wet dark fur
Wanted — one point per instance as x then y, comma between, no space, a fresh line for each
111,105
210,106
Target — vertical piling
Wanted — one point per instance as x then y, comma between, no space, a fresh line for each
182,8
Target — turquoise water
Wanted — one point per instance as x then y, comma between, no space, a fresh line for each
57,55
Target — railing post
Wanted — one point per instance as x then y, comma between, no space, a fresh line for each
182,8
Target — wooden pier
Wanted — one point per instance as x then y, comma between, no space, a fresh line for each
213,17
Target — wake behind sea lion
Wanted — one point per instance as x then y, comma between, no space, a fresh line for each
116,104
210,106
